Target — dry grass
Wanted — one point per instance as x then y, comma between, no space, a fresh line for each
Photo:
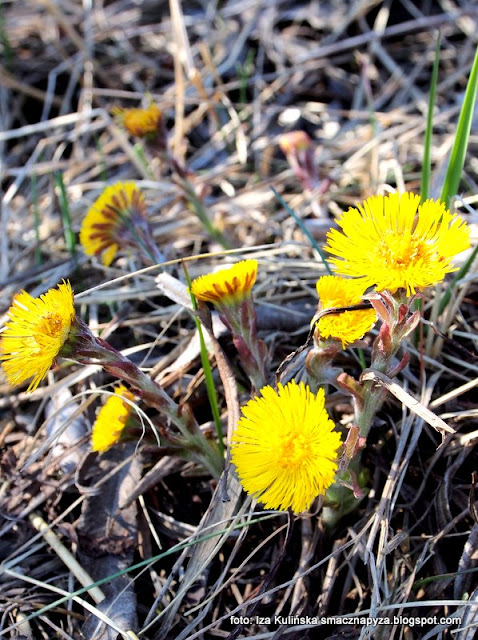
230,78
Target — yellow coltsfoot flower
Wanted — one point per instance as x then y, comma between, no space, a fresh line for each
139,122
35,333
101,229
285,447
118,220
394,242
230,290
112,420
294,141
346,326
228,286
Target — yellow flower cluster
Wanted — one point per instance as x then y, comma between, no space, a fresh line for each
285,447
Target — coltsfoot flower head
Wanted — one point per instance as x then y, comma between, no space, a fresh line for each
394,242
285,448
142,123
35,333
299,151
111,420
294,141
109,222
230,290
346,326
228,286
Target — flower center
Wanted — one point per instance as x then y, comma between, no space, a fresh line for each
293,451
50,327
400,251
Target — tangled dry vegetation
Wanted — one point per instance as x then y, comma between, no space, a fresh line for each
230,78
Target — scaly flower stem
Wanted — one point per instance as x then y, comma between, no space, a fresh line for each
373,400
203,215
256,346
150,251
242,323
396,326
87,349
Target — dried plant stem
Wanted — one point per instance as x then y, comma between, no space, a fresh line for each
65,556
128,635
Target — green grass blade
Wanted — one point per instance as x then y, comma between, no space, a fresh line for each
65,215
4,40
142,159
203,216
244,73
458,152
426,166
304,230
206,365
418,584
455,166
361,357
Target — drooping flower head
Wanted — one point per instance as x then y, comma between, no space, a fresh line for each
285,447
35,333
111,420
228,286
299,151
142,123
294,141
112,220
346,326
394,242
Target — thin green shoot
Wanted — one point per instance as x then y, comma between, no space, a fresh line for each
65,214
427,145
361,357
4,41
444,576
458,152
456,163
206,365
244,72
139,153
417,335
202,214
